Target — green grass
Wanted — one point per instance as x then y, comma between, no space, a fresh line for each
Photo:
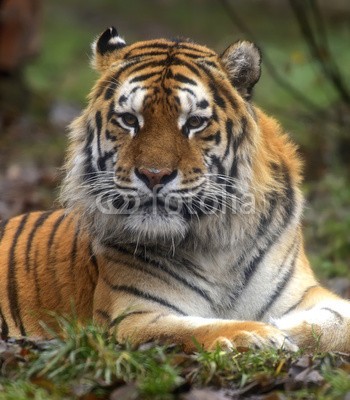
88,363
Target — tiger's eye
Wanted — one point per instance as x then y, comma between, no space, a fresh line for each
130,120
195,122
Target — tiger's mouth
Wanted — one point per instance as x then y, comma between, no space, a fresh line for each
165,207
161,205
190,203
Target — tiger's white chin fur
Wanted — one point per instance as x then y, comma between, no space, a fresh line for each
145,228
154,227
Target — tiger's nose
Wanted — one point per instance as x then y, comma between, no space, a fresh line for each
153,176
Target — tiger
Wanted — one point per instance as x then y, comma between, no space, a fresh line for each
181,213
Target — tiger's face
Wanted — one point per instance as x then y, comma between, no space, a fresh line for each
167,138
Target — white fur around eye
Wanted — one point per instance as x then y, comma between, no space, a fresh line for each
189,102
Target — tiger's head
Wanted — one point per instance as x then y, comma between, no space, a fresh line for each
169,139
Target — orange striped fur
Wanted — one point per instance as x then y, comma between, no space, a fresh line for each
182,212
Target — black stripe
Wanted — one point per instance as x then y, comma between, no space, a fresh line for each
157,318
102,158
193,55
153,45
297,304
266,218
229,134
146,46
164,268
3,225
184,89
253,264
216,137
89,170
53,231
112,137
283,282
121,317
137,268
111,89
114,80
203,53
144,77
237,141
211,64
182,63
215,161
148,55
219,101
73,256
52,255
191,268
339,317
139,293
185,190
101,161
36,278
146,64
38,223
103,314
288,208
4,326
167,46
159,266
223,90
98,121
184,79
12,288
111,111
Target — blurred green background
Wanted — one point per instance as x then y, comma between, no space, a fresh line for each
41,97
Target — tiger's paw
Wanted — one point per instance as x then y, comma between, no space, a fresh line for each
254,335
264,336
322,328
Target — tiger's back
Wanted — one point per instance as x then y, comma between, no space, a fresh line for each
46,264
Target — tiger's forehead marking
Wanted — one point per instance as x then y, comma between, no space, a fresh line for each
160,47
189,94
131,96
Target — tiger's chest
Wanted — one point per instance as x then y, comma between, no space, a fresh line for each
229,285
239,287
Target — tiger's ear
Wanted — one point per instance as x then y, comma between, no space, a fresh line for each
242,61
105,49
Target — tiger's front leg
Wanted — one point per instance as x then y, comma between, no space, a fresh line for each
319,321
144,326
147,320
